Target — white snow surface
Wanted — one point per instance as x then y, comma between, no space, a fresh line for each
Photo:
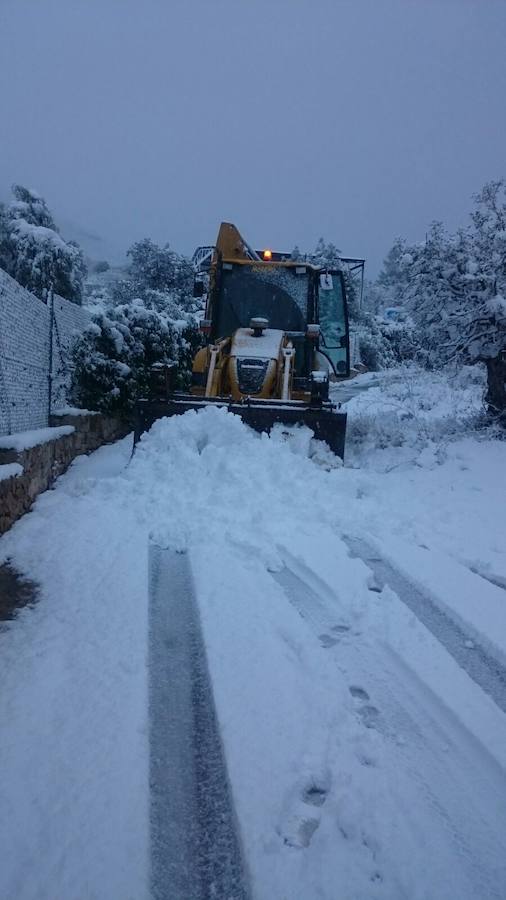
10,470
73,411
327,691
25,440
41,234
264,346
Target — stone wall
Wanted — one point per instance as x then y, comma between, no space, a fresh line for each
25,325
43,463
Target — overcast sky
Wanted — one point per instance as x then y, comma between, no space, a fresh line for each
356,119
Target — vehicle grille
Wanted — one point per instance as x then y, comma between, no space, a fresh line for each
251,375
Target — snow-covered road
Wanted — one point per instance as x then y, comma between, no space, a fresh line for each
439,784
364,760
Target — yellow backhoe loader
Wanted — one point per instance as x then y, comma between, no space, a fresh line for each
277,333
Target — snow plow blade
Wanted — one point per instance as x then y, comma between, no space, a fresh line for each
324,420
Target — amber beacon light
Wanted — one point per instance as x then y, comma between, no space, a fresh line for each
267,255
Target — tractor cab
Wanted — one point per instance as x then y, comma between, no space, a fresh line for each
306,303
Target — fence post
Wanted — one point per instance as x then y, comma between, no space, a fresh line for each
50,372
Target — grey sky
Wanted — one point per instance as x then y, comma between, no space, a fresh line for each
356,119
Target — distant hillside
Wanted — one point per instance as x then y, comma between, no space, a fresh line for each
94,246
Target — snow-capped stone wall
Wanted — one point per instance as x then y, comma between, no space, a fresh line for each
31,462
24,354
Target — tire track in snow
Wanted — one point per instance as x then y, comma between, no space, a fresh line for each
497,580
486,671
448,776
195,849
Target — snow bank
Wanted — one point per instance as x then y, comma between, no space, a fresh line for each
413,408
74,817
10,470
25,440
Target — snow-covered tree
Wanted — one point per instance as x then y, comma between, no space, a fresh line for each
114,356
33,251
326,254
456,289
149,317
5,245
374,299
101,266
156,269
393,278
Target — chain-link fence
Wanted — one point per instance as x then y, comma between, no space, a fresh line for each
35,363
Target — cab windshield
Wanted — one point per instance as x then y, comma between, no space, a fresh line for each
276,294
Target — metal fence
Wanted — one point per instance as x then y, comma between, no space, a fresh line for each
35,355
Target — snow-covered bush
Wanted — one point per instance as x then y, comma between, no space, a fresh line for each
114,355
146,318
34,253
372,347
385,344
415,408
401,341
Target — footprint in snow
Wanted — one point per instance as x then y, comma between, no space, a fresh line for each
327,641
303,819
314,795
367,712
342,632
358,692
369,715
367,760
349,824
375,586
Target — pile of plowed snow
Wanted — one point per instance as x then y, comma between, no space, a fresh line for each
207,476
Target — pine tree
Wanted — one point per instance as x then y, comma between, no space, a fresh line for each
155,268
31,207
393,277
456,289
